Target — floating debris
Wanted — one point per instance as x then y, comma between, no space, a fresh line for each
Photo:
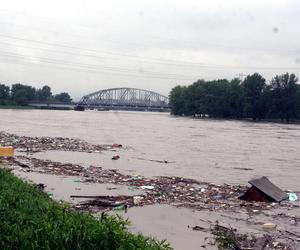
158,161
40,186
6,151
100,203
181,192
116,157
269,226
246,169
38,144
292,196
147,187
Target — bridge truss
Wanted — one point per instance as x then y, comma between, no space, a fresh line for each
125,98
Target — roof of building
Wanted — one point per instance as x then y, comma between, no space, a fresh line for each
268,188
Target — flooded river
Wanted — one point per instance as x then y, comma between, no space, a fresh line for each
207,150
157,144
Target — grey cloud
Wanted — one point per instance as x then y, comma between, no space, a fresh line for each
147,44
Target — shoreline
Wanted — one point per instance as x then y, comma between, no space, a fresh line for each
276,121
15,107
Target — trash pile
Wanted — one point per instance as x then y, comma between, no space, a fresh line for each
29,164
38,144
88,174
229,238
181,192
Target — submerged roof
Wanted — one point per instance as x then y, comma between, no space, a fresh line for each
264,185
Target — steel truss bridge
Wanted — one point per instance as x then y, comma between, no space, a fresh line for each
125,99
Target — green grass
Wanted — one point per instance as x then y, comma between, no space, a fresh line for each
29,219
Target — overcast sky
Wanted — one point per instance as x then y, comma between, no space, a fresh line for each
84,46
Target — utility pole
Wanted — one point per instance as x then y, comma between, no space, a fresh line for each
241,76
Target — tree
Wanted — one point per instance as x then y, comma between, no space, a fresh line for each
284,95
177,100
192,95
253,88
235,99
298,102
22,94
63,98
4,94
43,94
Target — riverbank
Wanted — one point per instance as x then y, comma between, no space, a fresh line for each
16,107
266,121
42,107
31,220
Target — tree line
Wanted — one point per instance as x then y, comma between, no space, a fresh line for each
251,98
20,94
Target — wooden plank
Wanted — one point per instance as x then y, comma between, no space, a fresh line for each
6,151
120,197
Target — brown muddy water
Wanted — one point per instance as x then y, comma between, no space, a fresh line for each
207,150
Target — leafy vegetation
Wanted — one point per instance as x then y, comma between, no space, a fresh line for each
63,97
20,94
31,220
224,237
252,98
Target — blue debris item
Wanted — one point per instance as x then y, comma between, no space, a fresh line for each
292,196
120,208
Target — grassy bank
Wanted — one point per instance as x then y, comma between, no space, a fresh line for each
29,219
15,107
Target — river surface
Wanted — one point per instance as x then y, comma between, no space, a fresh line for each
215,151
156,144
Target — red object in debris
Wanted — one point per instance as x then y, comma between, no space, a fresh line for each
115,145
254,194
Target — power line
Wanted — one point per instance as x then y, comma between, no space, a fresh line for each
88,66
26,62
141,59
103,57
87,70
173,39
